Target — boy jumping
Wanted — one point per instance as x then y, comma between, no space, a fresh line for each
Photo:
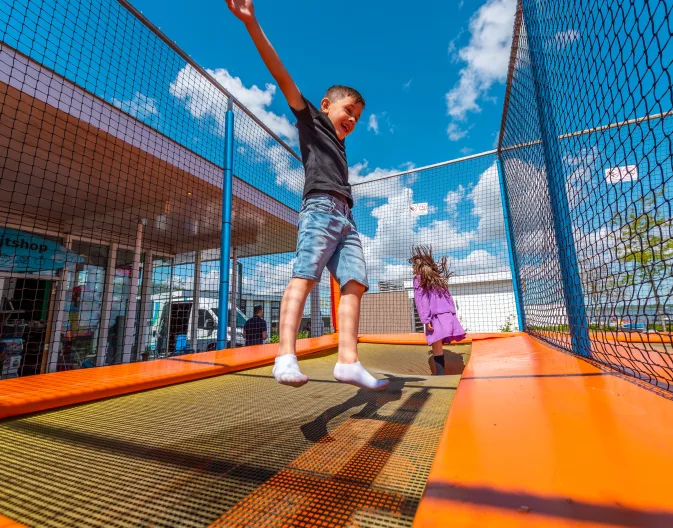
327,233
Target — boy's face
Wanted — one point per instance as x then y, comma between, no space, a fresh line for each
344,114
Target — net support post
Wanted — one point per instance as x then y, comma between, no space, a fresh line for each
130,332
106,308
225,235
234,295
196,302
563,226
513,264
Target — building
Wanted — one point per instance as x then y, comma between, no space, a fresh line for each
484,303
91,200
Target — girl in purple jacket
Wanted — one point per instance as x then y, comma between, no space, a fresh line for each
434,303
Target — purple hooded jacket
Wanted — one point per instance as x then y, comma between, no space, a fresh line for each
430,302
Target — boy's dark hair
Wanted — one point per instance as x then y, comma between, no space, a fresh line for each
336,92
257,309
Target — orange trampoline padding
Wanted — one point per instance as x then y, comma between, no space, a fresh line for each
335,294
9,523
48,391
419,339
536,437
616,337
632,337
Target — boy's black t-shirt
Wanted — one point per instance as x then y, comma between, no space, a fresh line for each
322,152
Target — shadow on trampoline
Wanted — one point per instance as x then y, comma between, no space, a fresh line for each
334,480
551,506
163,455
454,363
316,430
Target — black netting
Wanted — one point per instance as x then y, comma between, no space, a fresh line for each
586,147
455,208
111,198
113,153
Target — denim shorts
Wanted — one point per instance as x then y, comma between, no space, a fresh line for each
328,237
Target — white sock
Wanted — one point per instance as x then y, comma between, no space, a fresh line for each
355,374
286,371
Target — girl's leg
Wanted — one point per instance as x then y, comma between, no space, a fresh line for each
438,357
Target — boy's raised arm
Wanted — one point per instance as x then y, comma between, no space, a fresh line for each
245,11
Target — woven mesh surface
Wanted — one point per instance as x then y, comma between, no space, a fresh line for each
237,450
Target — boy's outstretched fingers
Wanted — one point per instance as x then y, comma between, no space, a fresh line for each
243,9
355,374
286,371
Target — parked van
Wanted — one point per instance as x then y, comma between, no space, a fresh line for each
172,326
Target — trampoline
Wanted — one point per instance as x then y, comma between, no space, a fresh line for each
237,450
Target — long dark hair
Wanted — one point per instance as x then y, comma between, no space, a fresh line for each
433,275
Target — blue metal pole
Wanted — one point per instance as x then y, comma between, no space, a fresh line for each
563,227
225,235
513,264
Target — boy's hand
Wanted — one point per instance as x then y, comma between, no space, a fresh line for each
244,10
428,327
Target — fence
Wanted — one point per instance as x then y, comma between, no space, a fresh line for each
456,208
586,148
116,143
113,155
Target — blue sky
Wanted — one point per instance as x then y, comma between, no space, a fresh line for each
434,87
434,92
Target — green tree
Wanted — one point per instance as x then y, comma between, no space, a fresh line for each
642,238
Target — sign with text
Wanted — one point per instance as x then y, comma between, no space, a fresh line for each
418,209
22,252
625,173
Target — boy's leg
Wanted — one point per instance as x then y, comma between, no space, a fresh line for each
348,368
349,322
291,311
286,369
317,238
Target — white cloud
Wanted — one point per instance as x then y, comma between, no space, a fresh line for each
139,106
486,57
478,261
453,198
565,38
397,230
461,4
289,171
488,206
455,133
496,139
466,151
578,182
360,174
452,46
373,124
407,84
267,278
203,99
382,119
